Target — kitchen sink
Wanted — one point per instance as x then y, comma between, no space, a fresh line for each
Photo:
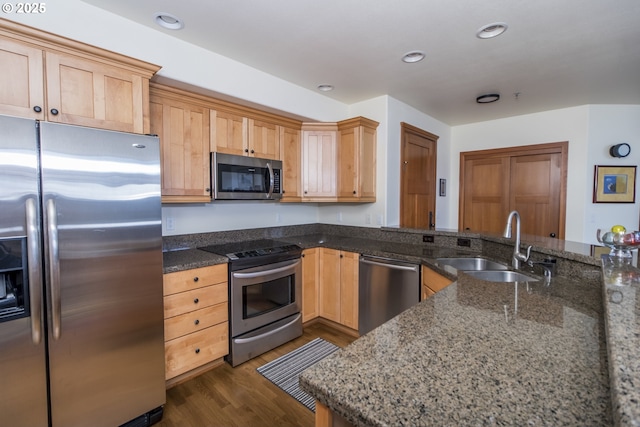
471,264
500,276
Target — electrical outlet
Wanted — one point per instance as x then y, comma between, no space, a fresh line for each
426,238
367,219
339,216
380,219
171,225
464,242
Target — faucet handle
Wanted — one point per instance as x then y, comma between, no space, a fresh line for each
522,257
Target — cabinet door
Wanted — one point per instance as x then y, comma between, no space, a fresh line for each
184,149
432,282
348,163
22,84
330,284
228,133
310,274
88,93
290,145
349,289
264,140
367,164
319,164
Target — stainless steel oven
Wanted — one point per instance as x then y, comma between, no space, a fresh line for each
265,292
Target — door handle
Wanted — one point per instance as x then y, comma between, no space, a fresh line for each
34,270
54,267
431,224
271,181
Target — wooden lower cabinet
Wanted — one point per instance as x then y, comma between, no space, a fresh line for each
338,293
195,320
432,282
310,276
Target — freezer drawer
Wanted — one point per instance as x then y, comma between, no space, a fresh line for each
387,287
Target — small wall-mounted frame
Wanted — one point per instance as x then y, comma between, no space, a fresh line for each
614,184
443,187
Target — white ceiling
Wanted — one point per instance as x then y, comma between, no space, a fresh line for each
555,53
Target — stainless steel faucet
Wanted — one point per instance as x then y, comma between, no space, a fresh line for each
517,256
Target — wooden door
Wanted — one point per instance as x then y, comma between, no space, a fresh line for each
228,133
529,179
535,193
418,176
22,85
184,149
330,284
310,274
486,192
349,263
88,93
264,140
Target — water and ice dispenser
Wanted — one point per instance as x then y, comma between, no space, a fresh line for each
14,298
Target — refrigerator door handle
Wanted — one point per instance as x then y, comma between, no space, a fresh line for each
34,271
54,267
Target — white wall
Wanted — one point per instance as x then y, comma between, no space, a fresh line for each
610,125
590,130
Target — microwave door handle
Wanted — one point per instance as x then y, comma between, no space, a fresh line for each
271,181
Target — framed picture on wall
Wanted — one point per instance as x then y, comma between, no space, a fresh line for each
614,184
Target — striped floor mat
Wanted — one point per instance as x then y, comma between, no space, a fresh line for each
284,371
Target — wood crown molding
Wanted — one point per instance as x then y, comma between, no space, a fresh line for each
53,42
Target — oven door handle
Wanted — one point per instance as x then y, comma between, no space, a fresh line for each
266,334
265,272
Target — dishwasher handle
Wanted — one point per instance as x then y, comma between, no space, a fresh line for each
389,265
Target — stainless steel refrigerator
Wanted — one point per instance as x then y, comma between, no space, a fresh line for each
81,312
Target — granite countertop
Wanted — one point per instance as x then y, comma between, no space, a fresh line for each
622,319
557,354
476,353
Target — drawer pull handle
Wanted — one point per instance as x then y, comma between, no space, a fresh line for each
197,322
54,111
37,109
197,350
195,279
195,301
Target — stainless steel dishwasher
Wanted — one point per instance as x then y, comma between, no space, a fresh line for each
387,287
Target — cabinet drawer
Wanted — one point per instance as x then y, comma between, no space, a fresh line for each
191,279
196,299
194,321
191,351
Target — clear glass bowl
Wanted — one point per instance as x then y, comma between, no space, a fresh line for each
621,244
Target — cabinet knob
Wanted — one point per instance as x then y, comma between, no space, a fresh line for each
552,235
195,301
195,279
54,111
37,109
305,192
252,151
355,192
208,190
197,322
246,150
197,350
341,256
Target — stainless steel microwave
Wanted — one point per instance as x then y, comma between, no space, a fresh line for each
245,178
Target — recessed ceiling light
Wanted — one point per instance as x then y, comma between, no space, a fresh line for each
491,30
413,56
488,98
169,21
325,88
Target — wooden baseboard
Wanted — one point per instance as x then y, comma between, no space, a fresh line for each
172,382
331,323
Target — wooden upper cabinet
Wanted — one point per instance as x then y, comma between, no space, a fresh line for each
228,133
182,123
357,160
319,161
85,85
234,133
290,154
22,85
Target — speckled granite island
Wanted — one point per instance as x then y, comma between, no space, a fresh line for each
476,353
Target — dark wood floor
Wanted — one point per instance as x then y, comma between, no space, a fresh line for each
240,396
